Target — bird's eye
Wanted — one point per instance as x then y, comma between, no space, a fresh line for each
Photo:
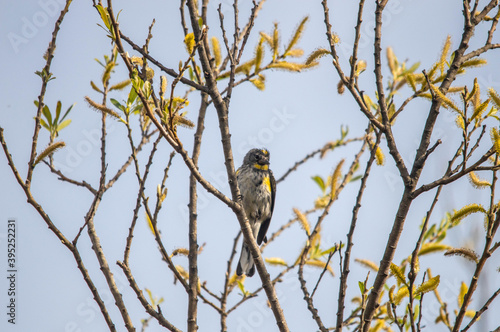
257,157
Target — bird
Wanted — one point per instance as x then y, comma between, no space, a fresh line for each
258,191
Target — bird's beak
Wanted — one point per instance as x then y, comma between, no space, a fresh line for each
264,161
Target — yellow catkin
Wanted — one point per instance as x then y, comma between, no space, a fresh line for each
494,97
466,211
495,138
101,108
428,248
367,263
398,273
477,182
49,150
120,85
444,53
428,286
189,42
298,33
276,261
464,252
302,220
216,51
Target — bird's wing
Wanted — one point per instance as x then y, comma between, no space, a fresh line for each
265,224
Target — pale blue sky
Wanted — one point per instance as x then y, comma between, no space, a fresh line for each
296,114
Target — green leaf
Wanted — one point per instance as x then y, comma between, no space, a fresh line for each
132,96
430,231
150,296
441,236
67,111
46,113
137,108
99,62
242,288
44,124
330,250
320,182
63,124
104,15
58,111
93,85
413,67
117,104
361,287
356,178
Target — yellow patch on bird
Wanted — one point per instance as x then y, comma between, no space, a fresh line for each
267,182
237,171
265,152
262,167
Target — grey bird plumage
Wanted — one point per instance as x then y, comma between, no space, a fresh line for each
258,190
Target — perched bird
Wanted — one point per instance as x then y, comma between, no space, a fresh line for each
258,190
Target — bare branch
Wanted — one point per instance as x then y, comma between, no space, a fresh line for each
345,272
149,309
168,71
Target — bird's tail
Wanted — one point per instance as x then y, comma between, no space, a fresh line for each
245,264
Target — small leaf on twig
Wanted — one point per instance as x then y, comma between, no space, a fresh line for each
95,87
150,224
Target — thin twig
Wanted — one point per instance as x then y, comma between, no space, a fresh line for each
478,313
308,298
168,71
149,309
225,293
64,178
323,272
321,151
345,272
